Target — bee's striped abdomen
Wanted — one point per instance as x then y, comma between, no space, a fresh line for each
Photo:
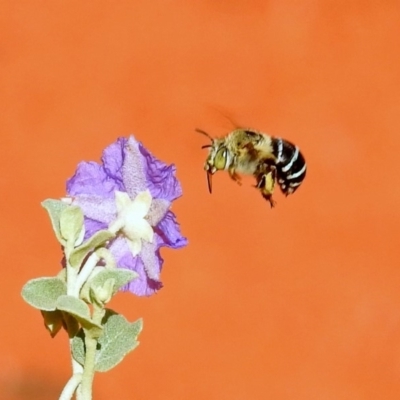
290,164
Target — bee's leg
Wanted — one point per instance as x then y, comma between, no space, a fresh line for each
269,198
266,184
234,176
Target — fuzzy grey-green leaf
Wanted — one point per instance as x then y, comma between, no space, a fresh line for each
118,339
43,293
119,275
80,252
79,309
74,306
71,224
78,347
54,208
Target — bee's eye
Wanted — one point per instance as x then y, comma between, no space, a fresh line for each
220,158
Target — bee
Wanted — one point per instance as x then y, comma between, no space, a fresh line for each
269,159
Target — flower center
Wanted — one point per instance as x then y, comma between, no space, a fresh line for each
131,221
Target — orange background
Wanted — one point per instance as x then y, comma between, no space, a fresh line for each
298,302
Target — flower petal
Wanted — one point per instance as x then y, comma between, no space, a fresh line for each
151,262
169,231
96,207
90,178
158,210
142,285
160,177
133,169
93,226
113,159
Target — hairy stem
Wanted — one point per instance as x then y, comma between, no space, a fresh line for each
89,365
85,273
88,368
70,387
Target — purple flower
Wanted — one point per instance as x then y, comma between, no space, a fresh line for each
131,194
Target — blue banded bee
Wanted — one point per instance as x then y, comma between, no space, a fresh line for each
269,159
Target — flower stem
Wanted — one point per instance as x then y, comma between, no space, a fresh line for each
77,369
85,272
70,387
88,368
85,392
72,274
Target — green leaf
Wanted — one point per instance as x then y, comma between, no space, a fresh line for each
53,321
120,277
78,347
71,224
78,309
118,339
54,208
80,252
42,293
74,306
71,325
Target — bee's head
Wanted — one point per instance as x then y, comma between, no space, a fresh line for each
217,158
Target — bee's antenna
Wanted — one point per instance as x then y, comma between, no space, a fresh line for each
204,133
